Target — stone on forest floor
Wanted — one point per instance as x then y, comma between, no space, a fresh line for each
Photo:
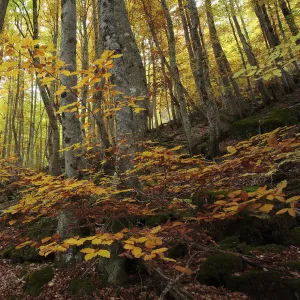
36,280
262,285
216,267
81,286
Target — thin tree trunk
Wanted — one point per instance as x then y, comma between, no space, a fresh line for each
71,125
178,85
3,8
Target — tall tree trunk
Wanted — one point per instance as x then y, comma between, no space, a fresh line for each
70,121
3,8
260,84
210,107
273,41
7,120
178,85
129,76
54,160
233,105
289,18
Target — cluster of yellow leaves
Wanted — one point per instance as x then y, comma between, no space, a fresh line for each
262,200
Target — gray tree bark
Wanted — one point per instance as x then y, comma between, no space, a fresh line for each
3,8
71,125
233,103
129,76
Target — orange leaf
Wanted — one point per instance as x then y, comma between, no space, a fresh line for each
272,140
292,212
184,270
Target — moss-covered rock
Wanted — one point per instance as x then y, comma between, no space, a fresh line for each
292,237
42,228
81,286
156,220
216,267
229,243
271,248
288,116
245,128
20,255
177,250
294,264
248,127
36,280
6,253
25,269
260,285
114,269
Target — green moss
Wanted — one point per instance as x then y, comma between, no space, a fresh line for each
81,287
250,189
42,228
229,243
244,248
25,269
35,281
294,264
270,124
157,219
272,248
260,285
292,237
288,116
246,128
6,253
216,267
177,250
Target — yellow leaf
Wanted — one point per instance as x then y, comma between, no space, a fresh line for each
117,56
156,229
103,253
150,244
12,222
137,252
87,250
107,242
282,211
149,256
118,236
176,148
293,199
160,250
128,246
292,212
270,197
141,239
266,208
184,270
90,256
231,149
147,154
168,259
281,186
73,242
97,241
46,239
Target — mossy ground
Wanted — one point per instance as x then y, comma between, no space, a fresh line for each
36,280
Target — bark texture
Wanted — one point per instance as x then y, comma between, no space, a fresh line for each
3,7
71,125
129,76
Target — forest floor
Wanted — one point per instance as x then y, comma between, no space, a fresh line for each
255,258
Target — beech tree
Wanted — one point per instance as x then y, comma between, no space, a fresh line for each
129,76
3,7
